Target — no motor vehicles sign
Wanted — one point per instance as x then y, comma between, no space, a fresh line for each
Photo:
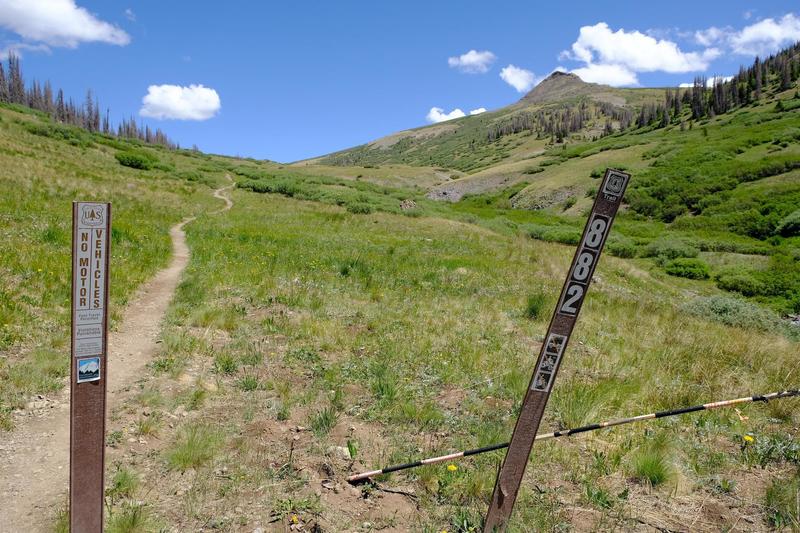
91,226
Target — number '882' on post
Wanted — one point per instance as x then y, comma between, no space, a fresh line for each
583,268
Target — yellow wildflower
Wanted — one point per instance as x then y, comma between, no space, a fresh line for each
748,439
452,468
295,520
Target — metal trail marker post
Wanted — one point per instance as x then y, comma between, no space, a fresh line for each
594,236
91,240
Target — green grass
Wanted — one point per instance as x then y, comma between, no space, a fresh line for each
431,309
131,518
323,421
196,445
43,172
781,500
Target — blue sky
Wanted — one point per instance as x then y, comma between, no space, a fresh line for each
291,80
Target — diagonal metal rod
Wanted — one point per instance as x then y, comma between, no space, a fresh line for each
591,427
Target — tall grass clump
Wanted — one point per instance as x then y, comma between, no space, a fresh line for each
535,305
196,445
323,421
782,500
650,464
132,517
576,404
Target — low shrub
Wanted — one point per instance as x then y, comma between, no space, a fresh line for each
562,234
789,226
137,160
533,170
669,248
687,267
733,312
71,134
742,282
359,208
621,248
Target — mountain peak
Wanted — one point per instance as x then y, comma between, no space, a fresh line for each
559,86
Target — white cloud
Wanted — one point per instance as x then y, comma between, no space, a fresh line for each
17,49
57,23
760,38
635,51
710,82
712,35
478,111
437,114
473,62
614,75
520,79
130,15
194,102
766,36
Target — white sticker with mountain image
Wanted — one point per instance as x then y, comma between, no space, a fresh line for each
88,369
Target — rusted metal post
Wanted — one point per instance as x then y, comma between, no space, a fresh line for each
594,236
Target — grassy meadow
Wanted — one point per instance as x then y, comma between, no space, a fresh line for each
45,168
338,319
308,342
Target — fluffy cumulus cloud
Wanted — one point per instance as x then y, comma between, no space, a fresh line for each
636,51
473,62
520,79
614,75
437,114
615,57
760,38
478,111
57,23
767,36
194,102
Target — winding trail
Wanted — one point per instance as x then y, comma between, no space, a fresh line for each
34,459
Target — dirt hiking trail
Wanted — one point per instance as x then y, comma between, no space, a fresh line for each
34,458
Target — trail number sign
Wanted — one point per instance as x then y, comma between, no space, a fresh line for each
91,240
573,293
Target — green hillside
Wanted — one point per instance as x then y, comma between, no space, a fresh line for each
721,189
561,106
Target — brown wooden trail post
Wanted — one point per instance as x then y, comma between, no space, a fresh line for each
604,210
91,247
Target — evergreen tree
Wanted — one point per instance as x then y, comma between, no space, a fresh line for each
757,75
786,76
61,110
47,96
16,86
3,85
